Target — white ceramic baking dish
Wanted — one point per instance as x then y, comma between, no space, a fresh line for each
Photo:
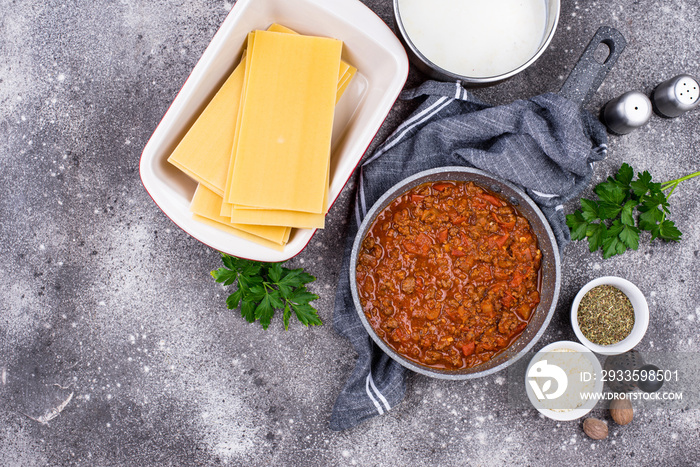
370,46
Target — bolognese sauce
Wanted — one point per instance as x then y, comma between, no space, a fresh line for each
448,274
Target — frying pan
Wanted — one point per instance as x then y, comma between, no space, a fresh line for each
582,83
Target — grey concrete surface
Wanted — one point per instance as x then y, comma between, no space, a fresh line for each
104,298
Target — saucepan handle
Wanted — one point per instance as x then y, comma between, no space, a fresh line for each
588,74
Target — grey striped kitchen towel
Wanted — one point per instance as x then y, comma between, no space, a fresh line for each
546,145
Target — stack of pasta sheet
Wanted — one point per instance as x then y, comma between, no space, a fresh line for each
260,150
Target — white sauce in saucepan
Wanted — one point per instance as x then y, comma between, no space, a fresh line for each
475,38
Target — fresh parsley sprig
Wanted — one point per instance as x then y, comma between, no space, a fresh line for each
610,223
263,288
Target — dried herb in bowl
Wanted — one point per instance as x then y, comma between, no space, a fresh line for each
605,315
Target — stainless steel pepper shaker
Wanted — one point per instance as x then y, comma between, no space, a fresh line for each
676,96
627,112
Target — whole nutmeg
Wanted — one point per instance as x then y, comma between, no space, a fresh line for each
595,429
621,411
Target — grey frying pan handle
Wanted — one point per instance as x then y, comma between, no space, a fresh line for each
588,74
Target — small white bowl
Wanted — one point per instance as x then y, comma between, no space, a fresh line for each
641,315
595,376
369,45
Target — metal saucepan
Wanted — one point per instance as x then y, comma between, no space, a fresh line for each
435,71
550,268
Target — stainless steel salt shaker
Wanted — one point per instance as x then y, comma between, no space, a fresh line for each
627,112
676,95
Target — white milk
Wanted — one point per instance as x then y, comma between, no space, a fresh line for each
475,38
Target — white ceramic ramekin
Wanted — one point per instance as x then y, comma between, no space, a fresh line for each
641,315
595,375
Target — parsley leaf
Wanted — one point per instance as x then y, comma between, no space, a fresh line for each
628,213
596,233
263,288
649,218
225,275
625,208
578,225
609,210
611,192
287,314
643,184
275,272
248,311
306,314
625,174
614,229
669,232
612,246
234,299
264,311
589,209
629,236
